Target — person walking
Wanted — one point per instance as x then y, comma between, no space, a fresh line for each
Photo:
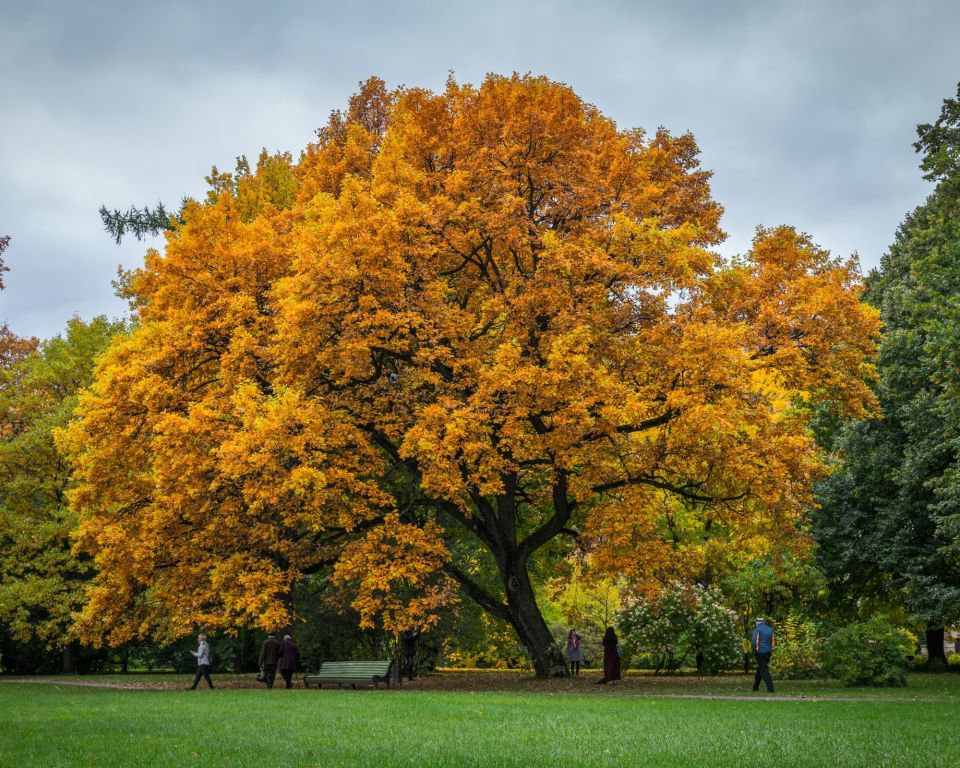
574,652
611,657
269,655
763,642
289,660
408,642
204,660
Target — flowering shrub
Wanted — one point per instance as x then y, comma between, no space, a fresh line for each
683,625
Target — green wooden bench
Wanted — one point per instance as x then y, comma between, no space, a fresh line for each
352,673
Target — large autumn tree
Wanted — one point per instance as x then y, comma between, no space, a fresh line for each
464,330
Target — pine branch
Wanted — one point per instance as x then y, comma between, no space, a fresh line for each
136,222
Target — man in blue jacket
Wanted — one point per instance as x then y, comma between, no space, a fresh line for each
763,642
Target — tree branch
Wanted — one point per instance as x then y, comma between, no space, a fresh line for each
473,524
685,491
562,508
480,595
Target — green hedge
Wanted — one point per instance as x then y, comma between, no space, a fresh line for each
869,653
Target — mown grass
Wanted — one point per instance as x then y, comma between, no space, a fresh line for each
64,725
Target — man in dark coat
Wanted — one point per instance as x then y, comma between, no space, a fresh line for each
269,655
763,642
289,660
408,641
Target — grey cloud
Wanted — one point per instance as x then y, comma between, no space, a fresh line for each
804,111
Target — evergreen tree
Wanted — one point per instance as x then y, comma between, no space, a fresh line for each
889,519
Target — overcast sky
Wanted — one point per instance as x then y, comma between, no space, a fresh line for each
804,111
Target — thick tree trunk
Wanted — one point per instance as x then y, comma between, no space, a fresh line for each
66,659
934,638
245,652
524,615
495,526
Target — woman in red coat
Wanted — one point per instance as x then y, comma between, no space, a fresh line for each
611,657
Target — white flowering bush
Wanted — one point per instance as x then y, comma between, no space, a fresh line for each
684,626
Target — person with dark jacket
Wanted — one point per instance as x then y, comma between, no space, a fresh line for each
269,655
289,660
763,642
408,642
611,657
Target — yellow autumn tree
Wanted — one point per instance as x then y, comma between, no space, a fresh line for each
477,323
192,494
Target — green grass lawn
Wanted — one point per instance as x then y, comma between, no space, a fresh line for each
64,725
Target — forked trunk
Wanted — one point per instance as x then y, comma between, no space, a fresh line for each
524,615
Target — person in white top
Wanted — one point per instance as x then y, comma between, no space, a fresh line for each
203,663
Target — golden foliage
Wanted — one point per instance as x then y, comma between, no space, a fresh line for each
490,305
395,572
